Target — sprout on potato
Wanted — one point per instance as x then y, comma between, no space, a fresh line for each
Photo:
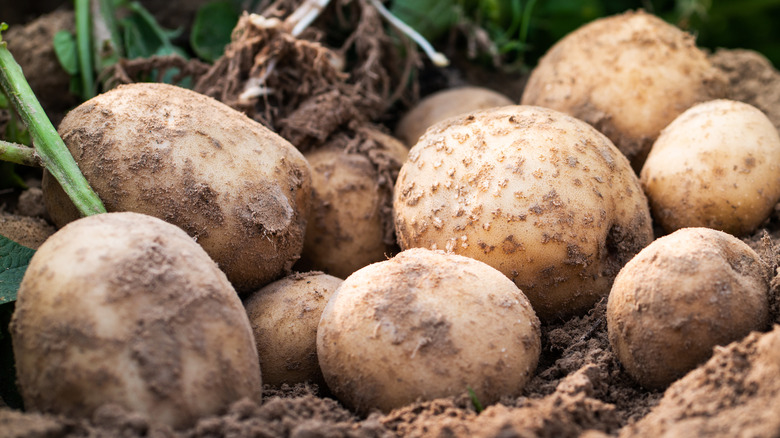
423,325
628,75
717,165
124,308
238,188
680,297
284,317
443,105
537,194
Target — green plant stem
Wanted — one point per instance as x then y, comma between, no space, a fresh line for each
54,154
19,154
84,43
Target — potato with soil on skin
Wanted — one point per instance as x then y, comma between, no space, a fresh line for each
284,317
124,308
628,75
716,166
236,187
537,194
423,325
351,207
443,105
680,297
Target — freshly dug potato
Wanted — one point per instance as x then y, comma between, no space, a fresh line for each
284,317
423,325
535,193
124,308
717,166
443,105
236,187
628,75
350,208
680,297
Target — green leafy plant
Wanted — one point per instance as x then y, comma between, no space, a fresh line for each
214,22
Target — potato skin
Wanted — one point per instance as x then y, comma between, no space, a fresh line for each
680,297
350,207
284,317
717,165
443,105
239,189
422,325
628,75
538,195
125,308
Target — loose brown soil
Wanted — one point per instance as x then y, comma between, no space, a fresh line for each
579,388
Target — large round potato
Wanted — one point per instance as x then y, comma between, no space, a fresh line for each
124,308
425,325
284,317
535,193
628,75
680,297
716,166
239,189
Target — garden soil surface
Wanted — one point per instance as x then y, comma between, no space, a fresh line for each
579,388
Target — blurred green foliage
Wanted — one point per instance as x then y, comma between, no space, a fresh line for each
523,30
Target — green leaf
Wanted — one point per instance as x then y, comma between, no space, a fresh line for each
14,259
67,51
211,30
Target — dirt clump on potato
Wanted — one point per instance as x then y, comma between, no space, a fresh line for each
681,296
124,308
537,194
628,75
239,189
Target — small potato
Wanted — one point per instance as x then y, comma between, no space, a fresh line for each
680,297
443,105
423,325
124,308
351,207
239,189
535,193
716,166
284,317
628,75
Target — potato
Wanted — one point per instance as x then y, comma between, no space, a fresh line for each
681,296
537,194
423,325
717,166
351,207
628,75
239,189
443,105
124,308
284,317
